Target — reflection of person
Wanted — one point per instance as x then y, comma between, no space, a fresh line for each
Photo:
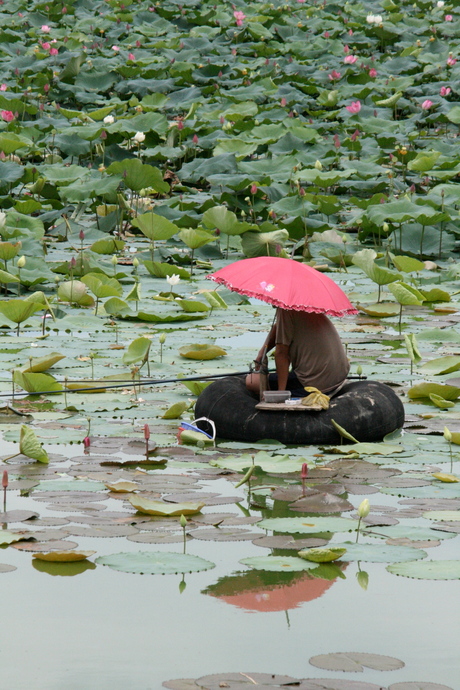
310,344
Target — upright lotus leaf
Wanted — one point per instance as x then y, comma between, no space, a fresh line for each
74,292
406,294
9,143
8,250
191,305
222,219
36,382
215,300
30,446
137,175
40,298
19,310
410,341
40,364
138,351
155,227
441,365
134,294
160,270
435,295
365,259
176,410
203,352
324,179
102,286
402,211
6,278
107,245
264,243
424,161
195,237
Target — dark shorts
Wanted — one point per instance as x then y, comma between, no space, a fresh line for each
293,385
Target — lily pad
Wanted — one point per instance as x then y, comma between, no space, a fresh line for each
155,563
355,661
201,351
278,564
144,505
309,525
318,555
427,570
379,553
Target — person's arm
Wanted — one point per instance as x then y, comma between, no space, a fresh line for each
268,345
282,362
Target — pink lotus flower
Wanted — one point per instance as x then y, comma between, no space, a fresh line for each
54,51
45,28
448,17
195,139
46,45
115,49
445,90
355,135
5,479
336,141
7,115
87,442
131,57
451,61
283,102
334,76
372,72
46,88
350,32
3,87
240,17
426,105
354,107
146,432
350,59
326,34
346,49
253,188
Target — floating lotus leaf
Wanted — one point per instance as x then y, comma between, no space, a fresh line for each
427,570
63,556
441,365
406,531
318,555
262,459
355,661
123,487
144,505
5,568
446,515
155,563
10,538
309,525
380,310
379,553
278,564
447,478
418,685
201,351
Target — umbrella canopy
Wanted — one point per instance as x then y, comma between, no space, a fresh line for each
285,283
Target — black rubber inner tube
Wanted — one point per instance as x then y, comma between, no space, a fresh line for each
368,410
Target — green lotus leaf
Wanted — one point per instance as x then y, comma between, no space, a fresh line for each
10,537
155,563
365,259
201,351
30,446
195,238
440,402
264,243
222,219
107,246
308,525
196,387
138,350
407,264
8,251
266,461
176,410
73,291
102,286
6,278
36,382
39,364
379,553
19,310
427,570
137,175
145,505
406,294
191,306
160,270
155,227
445,515
277,564
318,555
380,310
425,390
441,365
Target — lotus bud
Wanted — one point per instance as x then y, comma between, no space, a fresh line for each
385,227
21,261
146,432
364,509
182,586
363,579
114,260
359,370
318,165
5,479
72,263
87,441
81,235
135,262
447,434
139,137
183,521
162,338
304,473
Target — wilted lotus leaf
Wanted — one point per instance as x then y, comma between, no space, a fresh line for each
144,505
238,681
321,503
424,390
322,555
381,310
18,516
446,478
63,556
155,563
123,487
30,446
9,537
355,661
160,537
223,534
201,351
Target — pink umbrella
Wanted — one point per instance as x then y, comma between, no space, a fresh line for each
285,283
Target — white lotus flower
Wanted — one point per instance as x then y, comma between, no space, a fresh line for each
440,3
109,120
139,137
173,280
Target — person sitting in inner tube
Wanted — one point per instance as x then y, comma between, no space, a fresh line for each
310,344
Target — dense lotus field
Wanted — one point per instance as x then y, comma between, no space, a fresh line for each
144,146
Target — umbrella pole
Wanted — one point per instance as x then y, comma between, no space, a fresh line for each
263,371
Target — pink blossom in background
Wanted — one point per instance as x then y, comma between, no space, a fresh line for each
253,188
45,28
448,17
451,61
426,105
350,32
195,139
3,87
326,34
240,17
54,51
131,56
7,115
283,102
336,141
46,88
445,90
350,59
334,75
46,45
372,72
115,49
301,1
354,107
355,135
346,49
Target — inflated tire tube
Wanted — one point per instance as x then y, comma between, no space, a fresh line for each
368,410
